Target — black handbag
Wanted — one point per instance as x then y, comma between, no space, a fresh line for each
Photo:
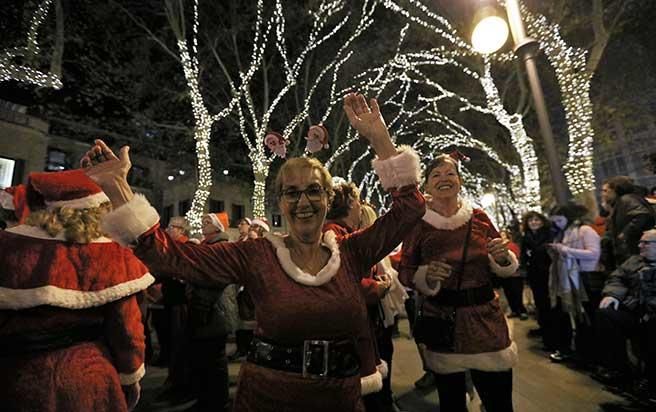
438,333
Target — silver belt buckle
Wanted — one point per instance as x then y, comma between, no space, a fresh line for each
309,346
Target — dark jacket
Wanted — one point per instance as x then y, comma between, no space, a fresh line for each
534,258
634,285
206,315
631,216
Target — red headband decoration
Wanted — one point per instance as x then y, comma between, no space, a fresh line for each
317,138
276,143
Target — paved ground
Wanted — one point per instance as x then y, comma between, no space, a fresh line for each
539,385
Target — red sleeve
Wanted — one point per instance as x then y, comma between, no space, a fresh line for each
410,257
206,265
124,334
514,247
369,288
369,246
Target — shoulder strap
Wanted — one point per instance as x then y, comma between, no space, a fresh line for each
464,252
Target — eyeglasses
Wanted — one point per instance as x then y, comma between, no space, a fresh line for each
169,227
646,241
313,194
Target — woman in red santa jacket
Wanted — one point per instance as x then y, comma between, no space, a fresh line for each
71,336
478,339
305,286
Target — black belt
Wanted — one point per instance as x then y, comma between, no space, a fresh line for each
463,297
46,341
314,358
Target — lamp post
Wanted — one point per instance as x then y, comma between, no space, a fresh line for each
526,49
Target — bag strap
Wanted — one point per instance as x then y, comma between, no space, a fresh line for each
465,249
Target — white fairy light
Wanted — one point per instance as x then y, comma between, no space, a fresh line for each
10,70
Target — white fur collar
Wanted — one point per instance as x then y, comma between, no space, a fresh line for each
300,276
38,233
461,217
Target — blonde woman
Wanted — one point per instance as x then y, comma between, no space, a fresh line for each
71,337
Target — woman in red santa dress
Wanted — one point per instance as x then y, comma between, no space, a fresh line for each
450,258
71,336
305,286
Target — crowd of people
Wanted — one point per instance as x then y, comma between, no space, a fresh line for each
87,269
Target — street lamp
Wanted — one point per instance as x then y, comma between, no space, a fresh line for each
487,28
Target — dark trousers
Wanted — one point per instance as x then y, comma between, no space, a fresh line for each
209,374
513,288
613,327
243,338
539,283
494,388
179,370
386,351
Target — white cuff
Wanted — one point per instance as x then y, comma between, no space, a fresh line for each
421,285
399,170
504,271
371,383
125,224
134,377
382,368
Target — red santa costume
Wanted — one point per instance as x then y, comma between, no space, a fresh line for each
71,328
293,308
482,340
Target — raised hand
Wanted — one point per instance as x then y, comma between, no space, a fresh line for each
109,171
367,120
498,248
437,272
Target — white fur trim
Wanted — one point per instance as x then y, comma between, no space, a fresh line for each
300,276
445,363
371,383
38,233
383,368
86,202
6,201
461,217
420,282
130,221
399,170
70,299
504,271
134,377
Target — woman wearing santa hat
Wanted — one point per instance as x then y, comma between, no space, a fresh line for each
450,257
305,286
71,336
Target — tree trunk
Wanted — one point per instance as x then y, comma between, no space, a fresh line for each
259,190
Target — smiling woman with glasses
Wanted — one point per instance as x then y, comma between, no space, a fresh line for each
305,286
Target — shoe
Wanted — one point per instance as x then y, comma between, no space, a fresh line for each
523,316
174,396
535,333
558,356
608,376
426,382
513,315
237,357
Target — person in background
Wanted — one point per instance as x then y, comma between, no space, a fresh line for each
630,215
513,286
207,332
574,281
535,260
71,338
247,322
244,226
172,328
627,309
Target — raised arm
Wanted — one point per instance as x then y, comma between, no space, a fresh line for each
135,222
399,174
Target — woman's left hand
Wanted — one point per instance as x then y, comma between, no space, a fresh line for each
369,123
498,248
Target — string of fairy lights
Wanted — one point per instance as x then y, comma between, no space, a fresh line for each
11,70
574,80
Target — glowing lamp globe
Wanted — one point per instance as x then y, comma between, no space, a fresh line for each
488,200
490,34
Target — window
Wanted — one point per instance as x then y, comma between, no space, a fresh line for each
56,160
216,206
237,214
138,176
183,207
7,168
166,215
276,220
